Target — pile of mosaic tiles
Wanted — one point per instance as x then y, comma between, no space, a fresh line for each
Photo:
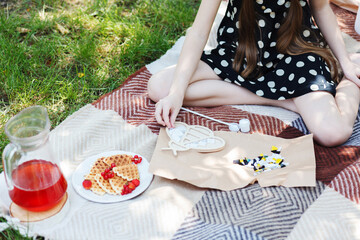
264,163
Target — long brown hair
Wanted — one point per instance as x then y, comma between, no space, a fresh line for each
289,40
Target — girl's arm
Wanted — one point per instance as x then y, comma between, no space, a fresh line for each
195,41
327,22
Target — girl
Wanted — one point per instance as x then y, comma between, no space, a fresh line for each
269,52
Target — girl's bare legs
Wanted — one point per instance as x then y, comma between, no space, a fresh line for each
330,119
206,89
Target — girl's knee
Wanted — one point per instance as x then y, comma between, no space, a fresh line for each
155,89
159,83
151,89
331,136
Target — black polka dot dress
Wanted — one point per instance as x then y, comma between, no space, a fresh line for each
283,76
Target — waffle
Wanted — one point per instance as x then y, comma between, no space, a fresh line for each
95,187
119,160
128,172
99,166
117,183
104,184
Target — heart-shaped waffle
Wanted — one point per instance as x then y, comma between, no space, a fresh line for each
128,172
95,187
118,160
99,166
117,183
184,137
104,184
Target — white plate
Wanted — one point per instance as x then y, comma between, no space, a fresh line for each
84,168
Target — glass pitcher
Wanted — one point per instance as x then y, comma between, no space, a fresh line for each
35,181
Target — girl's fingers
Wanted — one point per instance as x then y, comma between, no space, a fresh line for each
173,117
355,79
165,116
158,113
353,74
166,111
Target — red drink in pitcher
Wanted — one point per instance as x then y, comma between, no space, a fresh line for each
38,185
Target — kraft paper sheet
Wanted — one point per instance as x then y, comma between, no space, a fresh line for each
216,169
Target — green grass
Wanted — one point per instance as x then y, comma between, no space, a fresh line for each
63,54
12,234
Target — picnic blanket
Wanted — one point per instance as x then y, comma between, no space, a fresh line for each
172,209
351,5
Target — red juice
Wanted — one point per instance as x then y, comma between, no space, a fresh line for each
38,185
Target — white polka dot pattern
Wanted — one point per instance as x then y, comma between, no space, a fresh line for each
277,76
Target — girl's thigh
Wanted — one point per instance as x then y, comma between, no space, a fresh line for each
207,89
160,83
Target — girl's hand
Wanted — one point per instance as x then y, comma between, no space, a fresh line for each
167,109
352,72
